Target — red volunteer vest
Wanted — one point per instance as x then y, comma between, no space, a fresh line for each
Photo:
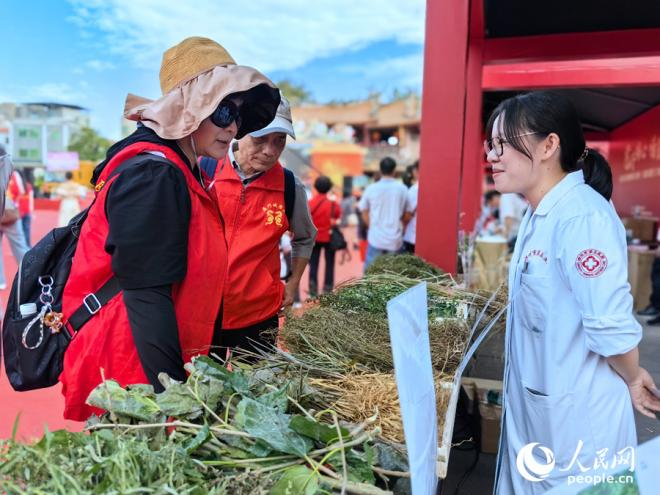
254,220
105,344
21,192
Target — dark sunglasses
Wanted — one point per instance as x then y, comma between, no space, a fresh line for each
226,113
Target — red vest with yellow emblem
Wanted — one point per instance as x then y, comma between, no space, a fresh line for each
105,346
255,220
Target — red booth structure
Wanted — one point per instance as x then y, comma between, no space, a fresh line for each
604,55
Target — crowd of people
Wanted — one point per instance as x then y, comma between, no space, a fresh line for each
16,221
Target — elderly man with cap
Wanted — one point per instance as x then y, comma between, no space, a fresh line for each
259,201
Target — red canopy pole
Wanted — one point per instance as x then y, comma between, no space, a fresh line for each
443,119
473,170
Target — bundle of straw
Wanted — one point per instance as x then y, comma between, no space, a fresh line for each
358,396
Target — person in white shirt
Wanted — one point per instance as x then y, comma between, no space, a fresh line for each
410,234
512,210
385,210
572,374
488,223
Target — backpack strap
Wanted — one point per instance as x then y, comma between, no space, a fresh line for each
289,193
93,302
209,166
314,210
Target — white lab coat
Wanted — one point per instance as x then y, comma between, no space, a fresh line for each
570,308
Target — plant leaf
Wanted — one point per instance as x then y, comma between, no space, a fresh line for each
271,426
358,466
176,400
390,458
318,431
249,449
110,396
297,480
14,429
209,390
276,399
236,379
198,440
142,389
238,448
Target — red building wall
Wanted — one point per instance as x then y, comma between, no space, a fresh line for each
634,154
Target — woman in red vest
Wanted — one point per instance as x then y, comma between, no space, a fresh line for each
325,214
21,190
145,287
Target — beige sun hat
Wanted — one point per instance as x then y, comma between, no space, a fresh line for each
195,76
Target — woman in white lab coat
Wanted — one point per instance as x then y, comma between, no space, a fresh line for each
572,373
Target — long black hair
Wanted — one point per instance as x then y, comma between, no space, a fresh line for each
544,112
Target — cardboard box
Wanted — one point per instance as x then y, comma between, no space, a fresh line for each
643,228
491,415
490,427
640,264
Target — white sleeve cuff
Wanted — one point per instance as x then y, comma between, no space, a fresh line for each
612,335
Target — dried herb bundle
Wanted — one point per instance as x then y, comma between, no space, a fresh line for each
331,339
406,265
357,396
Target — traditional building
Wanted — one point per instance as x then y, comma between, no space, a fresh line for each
30,131
390,129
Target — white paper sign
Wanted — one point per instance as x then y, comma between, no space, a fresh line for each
408,322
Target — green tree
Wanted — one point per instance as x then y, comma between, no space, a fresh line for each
400,94
295,93
89,144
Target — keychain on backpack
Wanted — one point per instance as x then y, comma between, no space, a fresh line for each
46,317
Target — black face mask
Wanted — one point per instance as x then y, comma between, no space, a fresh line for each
226,113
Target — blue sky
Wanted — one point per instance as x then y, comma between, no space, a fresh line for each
93,52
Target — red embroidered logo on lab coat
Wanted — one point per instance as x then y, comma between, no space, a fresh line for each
536,253
591,263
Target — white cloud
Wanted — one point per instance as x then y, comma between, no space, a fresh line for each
402,72
100,65
57,92
50,91
267,34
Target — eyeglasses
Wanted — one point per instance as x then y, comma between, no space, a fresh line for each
226,113
497,143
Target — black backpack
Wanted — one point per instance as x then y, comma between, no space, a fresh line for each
208,165
33,350
337,240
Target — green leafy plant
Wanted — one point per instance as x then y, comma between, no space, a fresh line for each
220,432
